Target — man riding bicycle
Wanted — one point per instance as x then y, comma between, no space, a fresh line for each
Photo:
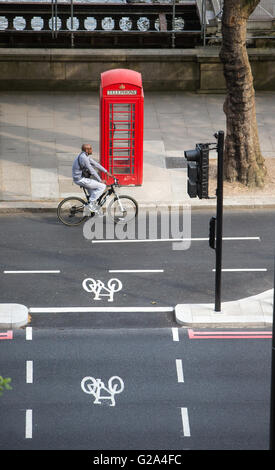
84,174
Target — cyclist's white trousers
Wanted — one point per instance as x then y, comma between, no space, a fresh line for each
94,188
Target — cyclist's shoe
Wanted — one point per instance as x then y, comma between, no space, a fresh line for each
86,210
93,207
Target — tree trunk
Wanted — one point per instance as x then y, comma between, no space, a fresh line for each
243,160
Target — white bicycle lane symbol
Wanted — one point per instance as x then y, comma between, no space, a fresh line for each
98,288
97,388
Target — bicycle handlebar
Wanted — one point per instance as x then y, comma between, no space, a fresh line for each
116,182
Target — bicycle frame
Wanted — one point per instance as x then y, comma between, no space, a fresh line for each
102,199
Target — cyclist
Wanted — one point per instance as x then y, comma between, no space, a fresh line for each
84,174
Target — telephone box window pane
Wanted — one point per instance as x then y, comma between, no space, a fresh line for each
122,126
122,107
121,170
121,117
122,135
121,143
121,153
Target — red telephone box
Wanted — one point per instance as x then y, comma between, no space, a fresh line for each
121,125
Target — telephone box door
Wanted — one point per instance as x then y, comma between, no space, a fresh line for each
122,131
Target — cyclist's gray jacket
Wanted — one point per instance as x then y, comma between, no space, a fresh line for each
86,162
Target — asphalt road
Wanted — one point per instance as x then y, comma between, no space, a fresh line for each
179,392
40,242
195,393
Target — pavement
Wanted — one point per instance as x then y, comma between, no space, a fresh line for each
42,132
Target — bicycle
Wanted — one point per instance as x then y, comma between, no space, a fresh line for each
73,210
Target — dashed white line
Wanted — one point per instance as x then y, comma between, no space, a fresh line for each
29,372
175,334
185,422
28,424
32,272
136,270
179,370
243,270
29,333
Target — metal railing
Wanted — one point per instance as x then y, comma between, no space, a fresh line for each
146,23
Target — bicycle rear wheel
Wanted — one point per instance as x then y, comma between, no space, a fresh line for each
70,211
123,209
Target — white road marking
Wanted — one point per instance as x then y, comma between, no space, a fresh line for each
243,270
175,334
136,270
28,426
185,422
171,240
98,309
99,289
32,272
29,333
179,370
29,372
97,386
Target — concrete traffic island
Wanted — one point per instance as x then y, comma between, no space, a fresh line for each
13,315
254,311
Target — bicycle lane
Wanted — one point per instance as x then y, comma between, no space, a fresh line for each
146,413
48,270
201,390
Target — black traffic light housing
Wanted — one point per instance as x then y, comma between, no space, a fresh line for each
197,171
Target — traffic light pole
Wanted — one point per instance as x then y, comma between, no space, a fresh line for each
219,222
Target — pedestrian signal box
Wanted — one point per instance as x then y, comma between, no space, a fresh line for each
121,125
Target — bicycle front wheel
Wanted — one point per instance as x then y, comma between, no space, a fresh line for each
70,211
123,209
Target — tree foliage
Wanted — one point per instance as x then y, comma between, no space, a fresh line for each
4,384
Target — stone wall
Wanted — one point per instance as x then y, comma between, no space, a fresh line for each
162,69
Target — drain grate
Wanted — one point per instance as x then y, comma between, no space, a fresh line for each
175,162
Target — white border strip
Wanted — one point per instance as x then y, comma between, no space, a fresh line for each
98,309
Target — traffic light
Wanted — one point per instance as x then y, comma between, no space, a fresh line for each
197,171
